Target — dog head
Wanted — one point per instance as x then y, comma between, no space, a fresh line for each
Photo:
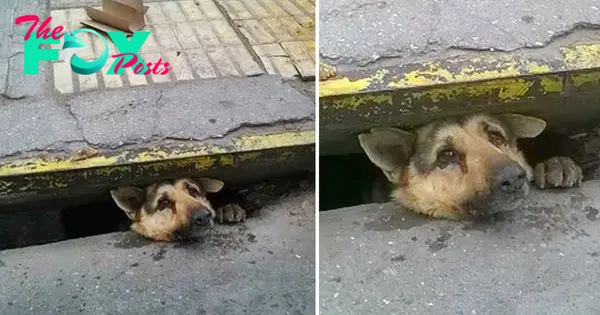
168,211
456,168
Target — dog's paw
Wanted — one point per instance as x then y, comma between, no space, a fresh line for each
557,172
231,213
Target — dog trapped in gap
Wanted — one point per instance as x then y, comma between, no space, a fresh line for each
467,167
175,210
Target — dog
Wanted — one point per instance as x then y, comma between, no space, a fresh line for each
175,210
467,167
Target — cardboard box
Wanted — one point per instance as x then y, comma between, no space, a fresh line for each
118,15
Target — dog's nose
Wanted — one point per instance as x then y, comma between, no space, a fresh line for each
509,177
201,217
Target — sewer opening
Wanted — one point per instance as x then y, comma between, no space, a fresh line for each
31,226
352,180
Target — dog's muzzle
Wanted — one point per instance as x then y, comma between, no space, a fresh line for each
201,218
507,191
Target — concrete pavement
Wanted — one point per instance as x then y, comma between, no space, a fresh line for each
542,259
402,32
234,97
264,266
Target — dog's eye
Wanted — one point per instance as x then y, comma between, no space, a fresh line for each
193,191
496,137
447,156
163,204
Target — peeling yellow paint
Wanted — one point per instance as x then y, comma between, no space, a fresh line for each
581,56
506,90
226,160
44,164
552,83
122,162
477,69
249,156
344,85
352,102
249,143
580,79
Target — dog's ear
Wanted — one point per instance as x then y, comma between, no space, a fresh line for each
388,148
525,126
130,199
211,185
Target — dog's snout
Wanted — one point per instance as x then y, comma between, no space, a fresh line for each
201,217
509,178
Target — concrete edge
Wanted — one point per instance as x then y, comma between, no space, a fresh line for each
460,69
48,173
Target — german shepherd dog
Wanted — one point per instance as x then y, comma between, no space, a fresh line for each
175,210
465,168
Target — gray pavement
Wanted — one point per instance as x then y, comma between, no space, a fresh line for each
543,259
35,119
208,109
264,266
362,32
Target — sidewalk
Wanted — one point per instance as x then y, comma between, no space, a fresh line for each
239,95
407,62
543,259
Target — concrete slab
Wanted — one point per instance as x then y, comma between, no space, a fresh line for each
363,32
377,259
130,111
265,266
193,111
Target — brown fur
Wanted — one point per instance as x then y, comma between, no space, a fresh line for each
426,184
164,211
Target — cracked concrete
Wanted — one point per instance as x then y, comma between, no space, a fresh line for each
378,259
199,110
36,120
367,31
35,125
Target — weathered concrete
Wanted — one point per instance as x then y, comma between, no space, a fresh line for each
364,31
37,120
543,259
264,266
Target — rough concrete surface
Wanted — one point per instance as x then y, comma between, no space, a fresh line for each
364,31
35,119
264,266
542,259
192,111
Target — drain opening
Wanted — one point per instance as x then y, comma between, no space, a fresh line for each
349,180
101,215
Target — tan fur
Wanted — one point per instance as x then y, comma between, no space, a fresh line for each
161,224
481,147
440,192
142,206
